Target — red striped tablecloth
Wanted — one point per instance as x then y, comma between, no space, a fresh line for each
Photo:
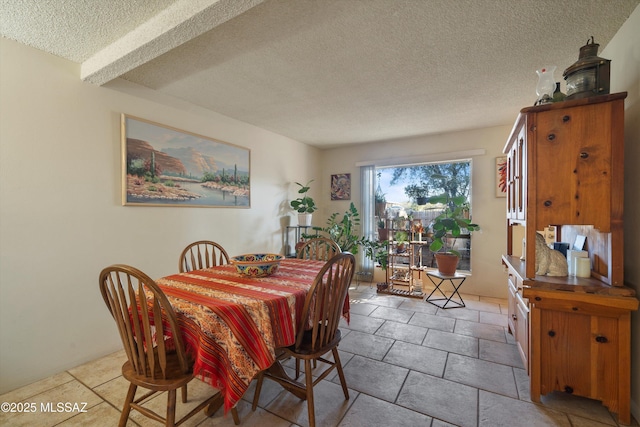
232,324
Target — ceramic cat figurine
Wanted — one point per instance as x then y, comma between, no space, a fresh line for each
549,262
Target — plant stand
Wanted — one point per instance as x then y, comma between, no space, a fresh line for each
455,281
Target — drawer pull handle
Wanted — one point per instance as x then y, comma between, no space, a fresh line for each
552,334
566,118
568,389
601,339
538,299
584,155
548,203
551,137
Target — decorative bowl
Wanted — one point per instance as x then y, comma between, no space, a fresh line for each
257,265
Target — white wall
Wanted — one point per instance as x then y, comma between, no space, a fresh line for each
61,219
488,245
624,52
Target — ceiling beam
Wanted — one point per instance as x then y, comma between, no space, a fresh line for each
179,23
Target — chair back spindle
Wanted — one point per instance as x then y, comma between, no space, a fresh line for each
202,254
146,321
318,248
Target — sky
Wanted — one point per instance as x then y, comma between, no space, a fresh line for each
394,194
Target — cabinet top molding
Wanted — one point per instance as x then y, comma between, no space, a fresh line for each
575,102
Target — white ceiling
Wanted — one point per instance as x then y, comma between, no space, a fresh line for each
325,72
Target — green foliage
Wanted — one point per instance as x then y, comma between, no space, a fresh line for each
305,204
451,222
208,176
136,167
452,179
414,191
169,183
344,229
376,251
401,237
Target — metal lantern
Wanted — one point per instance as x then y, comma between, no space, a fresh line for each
589,75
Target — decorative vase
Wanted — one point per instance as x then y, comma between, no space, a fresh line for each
304,219
546,85
447,263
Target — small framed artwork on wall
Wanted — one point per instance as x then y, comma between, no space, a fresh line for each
341,186
501,176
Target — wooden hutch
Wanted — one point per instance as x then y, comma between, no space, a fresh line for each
565,168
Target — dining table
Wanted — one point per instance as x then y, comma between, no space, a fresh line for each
233,324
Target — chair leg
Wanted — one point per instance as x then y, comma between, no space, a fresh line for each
256,395
343,381
171,408
315,365
309,380
131,394
184,394
236,418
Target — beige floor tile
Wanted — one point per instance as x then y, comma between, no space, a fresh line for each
72,396
22,393
101,370
485,306
102,415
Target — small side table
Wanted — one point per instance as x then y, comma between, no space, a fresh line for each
438,279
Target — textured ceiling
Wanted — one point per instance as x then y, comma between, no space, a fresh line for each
325,72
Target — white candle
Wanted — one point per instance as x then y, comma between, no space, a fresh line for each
583,267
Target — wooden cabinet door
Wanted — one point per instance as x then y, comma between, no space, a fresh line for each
573,166
511,305
522,330
565,352
605,369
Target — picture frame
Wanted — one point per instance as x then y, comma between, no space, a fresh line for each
165,166
341,186
501,176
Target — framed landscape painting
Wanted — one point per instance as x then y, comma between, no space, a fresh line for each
163,166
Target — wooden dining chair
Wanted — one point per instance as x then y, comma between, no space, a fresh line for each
318,248
202,254
156,356
318,333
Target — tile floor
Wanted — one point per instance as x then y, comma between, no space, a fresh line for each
407,363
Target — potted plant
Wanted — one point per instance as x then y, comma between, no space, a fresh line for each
383,231
381,202
304,205
343,229
446,228
378,252
401,238
417,193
